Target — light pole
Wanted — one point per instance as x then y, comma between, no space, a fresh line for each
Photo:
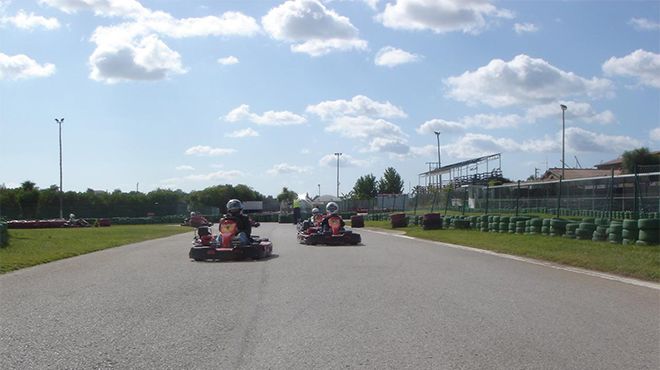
59,122
338,155
563,137
319,185
437,135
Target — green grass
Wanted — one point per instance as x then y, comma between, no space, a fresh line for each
29,247
642,262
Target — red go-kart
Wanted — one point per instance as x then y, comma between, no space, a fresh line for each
335,235
207,247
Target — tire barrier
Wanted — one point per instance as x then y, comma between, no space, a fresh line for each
398,220
503,226
285,219
614,232
431,221
460,224
357,221
571,230
630,232
557,226
585,230
649,231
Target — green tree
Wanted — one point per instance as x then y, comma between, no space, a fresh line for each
287,195
640,157
391,182
28,198
366,187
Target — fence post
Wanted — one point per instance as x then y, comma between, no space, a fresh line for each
517,197
447,203
435,195
487,188
465,199
416,200
559,199
636,190
611,194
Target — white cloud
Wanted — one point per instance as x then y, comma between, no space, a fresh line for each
643,24
269,118
185,168
30,21
492,121
218,175
581,140
227,24
473,145
576,111
228,60
441,16
145,59
104,8
203,150
364,128
521,28
134,50
16,67
311,28
392,57
441,125
388,145
285,168
523,80
655,134
248,132
641,64
345,160
360,105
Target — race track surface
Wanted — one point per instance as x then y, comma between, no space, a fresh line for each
391,303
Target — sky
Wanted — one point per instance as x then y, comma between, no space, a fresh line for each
186,94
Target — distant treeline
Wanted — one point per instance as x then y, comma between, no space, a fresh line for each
30,202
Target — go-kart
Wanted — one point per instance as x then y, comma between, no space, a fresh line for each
207,247
336,234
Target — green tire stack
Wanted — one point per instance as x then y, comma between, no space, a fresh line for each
585,230
600,234
485,219
494,225
630,232
649,231
557,227
461,224
614,232
571,229
545,226
520,227
504,224
535,225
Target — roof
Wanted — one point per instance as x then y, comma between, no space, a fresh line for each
576,173
617,162
448,168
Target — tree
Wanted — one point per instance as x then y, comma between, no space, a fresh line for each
287,195
391,182
28,198
366,187
640,156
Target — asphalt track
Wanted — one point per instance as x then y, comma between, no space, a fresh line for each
391,303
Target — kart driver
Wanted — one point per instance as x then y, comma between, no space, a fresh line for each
316,215
243,224
331,208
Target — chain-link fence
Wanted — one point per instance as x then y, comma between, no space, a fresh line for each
621,196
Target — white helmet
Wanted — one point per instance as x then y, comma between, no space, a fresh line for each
192,214
234,206
72,215
332,208
315,211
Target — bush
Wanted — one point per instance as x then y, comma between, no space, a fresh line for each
4,235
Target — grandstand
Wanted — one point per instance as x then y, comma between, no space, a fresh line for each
476,171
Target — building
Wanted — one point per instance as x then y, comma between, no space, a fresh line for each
577,173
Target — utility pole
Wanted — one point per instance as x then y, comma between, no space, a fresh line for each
437,135
563,137
319,185
59,122
338,155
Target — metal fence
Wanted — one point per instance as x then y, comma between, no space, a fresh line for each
635,195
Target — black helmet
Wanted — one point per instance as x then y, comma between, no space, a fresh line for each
234,206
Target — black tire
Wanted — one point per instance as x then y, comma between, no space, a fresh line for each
649,223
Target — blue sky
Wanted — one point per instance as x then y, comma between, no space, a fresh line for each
185,94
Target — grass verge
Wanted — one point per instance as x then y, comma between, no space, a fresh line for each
29,247
642,262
